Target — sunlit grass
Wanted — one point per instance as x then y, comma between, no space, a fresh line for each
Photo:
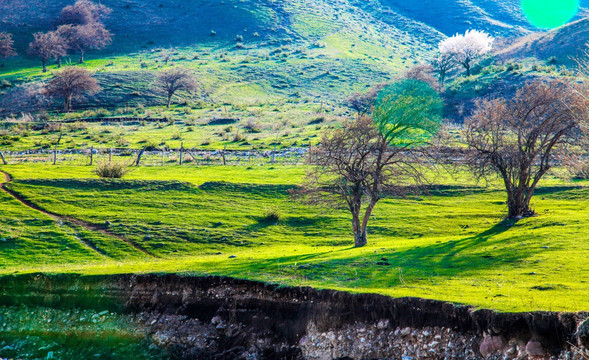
449,245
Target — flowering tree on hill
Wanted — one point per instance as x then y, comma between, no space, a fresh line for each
465,49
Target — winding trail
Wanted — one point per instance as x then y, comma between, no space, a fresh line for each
67,220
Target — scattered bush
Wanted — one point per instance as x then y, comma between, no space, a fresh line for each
253,126
111,170
272,215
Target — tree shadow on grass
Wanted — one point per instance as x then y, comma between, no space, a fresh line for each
451,259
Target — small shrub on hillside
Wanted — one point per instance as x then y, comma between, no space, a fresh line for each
77,126
238,137
190,121
111,170
73,115
272,215
122,142
253,126
513,66
552,60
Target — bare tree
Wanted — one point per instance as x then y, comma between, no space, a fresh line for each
423,72
362,103
176,79
47,46
93,36
442,65
166,55
71,83
467,48
6,45
368,159
516,138
84,12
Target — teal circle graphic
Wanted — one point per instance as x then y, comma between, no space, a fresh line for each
550,14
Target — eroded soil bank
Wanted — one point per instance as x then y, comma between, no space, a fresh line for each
219,318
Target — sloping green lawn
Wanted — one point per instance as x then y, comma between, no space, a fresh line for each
449,245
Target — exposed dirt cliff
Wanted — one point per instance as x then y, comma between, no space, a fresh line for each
220,318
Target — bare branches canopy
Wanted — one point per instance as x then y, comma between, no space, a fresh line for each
70,83
47,46
366,160
516,139
6,45
176,79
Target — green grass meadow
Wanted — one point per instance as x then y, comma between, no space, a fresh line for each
449,244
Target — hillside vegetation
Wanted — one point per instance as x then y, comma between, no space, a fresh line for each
216,222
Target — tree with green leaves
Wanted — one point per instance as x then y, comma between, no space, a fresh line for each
368,159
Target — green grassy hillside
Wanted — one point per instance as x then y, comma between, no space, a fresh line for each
215,223
562,44
297,50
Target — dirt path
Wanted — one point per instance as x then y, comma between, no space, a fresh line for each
67,220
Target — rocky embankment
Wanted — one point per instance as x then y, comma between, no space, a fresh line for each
220,318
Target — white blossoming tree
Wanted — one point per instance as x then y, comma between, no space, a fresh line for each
468,47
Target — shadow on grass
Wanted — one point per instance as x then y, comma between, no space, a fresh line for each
387,268
110,184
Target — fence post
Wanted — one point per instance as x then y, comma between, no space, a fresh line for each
91,155
139,157
223,154
181,152
3,159
55,149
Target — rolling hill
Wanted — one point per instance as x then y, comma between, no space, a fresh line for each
563,43
267,52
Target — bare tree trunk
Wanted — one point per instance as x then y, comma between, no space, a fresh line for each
59,62
91,155
67,103
44,65
467,66
139,157
55,154
169,101
223,155
359,234
3,159
81,61
364,228
518,203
